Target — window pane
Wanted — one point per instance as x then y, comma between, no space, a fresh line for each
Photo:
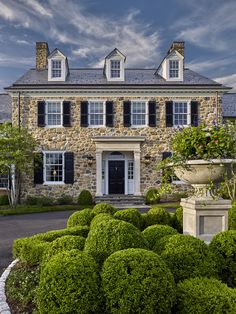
54,113
174,68
115,68
56,68
96,113
138,113
180,113
3,181
54,167
130,169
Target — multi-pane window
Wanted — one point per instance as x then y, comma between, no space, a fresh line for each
115,68
3,181
56,68
181,113
53,163
173,68
54,113
139,113
96,113
130,169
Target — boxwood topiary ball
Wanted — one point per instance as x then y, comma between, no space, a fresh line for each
157,216
155,232
130,215
70,283
137,281
99,218
103,208
80,218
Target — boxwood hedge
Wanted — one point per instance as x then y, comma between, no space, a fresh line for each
104,208
80,218
155,232
130,215
157,216
100,218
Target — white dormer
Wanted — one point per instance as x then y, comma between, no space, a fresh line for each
57,66
114,68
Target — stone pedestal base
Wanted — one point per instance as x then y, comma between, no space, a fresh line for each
203,218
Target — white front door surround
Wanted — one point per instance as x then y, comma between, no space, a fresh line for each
125,145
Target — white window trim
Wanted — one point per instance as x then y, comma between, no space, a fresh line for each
46,113
104,113
7,187
44,167
63,69
180,77
188,113
174,60
122,69
146,113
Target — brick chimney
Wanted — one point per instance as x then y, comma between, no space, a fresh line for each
178,46
42,53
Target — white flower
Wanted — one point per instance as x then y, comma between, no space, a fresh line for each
208,134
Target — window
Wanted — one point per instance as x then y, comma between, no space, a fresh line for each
115,68
56,68
96,113
173,68
138,113
3,181
54,113
130,169
181,113
54,170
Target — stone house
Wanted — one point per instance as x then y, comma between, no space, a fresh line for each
105,129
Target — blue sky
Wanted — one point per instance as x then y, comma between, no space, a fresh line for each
87,30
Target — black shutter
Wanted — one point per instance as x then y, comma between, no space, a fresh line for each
127,113
194,113
84,114
69,167
166,155
169,114
38,168
41,113
168,171
109,114
66,114
152,119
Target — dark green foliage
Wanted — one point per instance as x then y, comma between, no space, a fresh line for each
224,245
65,200
137,281
4,200
104,209
157,216
70,283
205,296
188,257
100,218
130,215
52,235
152,196
39,200
177,219
232,217
85,198
110,236
80,218
155,232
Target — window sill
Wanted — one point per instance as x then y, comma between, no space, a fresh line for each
138,126
96,126
53,126
54,183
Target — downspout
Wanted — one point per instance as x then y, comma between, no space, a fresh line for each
19,111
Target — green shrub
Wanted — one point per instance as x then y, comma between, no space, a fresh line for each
104,209
224,244
188,257
177,219
52,235
110,236
157,216
39,200
4,200
65,200
69,283
80,218
205,296
152,196
85,198
232,217
130,215
155,232
137,281
100,218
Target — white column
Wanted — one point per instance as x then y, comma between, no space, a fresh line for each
98,173
137,173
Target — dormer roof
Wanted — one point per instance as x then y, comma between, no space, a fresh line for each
115,52
56,52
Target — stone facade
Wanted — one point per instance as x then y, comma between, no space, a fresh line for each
42,53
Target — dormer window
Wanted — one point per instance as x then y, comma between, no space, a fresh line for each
115,68
56,68
173,68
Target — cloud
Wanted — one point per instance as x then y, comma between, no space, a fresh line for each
210,64
229,80
22,42
38,8
13,61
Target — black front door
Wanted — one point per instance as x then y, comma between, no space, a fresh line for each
116,177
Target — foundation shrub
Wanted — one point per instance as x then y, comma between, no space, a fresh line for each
137,281
53,235
130,215
232,217
80,218
205,296
65,200
39,200
157,216
110,236
70,283
188,257
100,218
152,196
104,209
155,232
177,219
85,198
4,200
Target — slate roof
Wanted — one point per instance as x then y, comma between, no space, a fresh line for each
5,108
229,105
95,77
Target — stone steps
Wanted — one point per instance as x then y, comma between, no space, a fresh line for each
121,200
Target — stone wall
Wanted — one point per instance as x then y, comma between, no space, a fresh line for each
79,140
42,53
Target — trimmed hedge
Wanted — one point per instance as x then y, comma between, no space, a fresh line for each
157,216
103,209
39,200
130,215
80,218
85,198
4,200
232,217
152,196
224,245
205,296
188,257
65,200
177,219
110,236
155,232
100,218
137,281
52,235
70,283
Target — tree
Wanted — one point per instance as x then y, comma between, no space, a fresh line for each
16,155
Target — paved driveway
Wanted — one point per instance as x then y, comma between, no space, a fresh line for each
12,227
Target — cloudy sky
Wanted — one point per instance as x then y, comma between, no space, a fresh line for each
87,30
